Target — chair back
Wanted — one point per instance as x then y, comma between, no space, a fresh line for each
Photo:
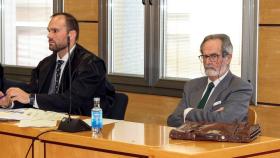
252,116
120,104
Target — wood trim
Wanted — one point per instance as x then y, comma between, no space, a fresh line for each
92,148
260,153
269,25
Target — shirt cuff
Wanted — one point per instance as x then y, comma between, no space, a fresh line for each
11,106
186,111
35,105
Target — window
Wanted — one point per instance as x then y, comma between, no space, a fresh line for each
159,40
185,25
166,34
24,33
127,37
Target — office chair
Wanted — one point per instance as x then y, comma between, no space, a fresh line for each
252,116
120,104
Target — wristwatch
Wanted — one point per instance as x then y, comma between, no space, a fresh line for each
31,99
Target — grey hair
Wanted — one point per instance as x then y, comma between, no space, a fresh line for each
227,47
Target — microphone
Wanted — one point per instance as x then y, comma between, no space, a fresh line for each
69,124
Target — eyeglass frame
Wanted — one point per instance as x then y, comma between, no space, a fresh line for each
212,57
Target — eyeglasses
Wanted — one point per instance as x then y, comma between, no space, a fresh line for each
212,57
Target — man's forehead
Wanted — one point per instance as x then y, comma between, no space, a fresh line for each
58,21
211,45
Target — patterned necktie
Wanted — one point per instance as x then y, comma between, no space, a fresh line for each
204,99
57,75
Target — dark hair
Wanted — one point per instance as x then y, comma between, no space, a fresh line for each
226,43
71,22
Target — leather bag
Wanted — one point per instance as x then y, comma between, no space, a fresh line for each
240,132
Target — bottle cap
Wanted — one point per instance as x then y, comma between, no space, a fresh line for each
96,99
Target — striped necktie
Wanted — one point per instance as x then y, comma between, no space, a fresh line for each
57,75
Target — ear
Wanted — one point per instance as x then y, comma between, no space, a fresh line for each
72,34
228,58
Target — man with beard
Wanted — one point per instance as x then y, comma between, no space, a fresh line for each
49,88
220,96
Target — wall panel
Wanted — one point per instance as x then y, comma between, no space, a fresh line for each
83,10
89,36
269,12
269,71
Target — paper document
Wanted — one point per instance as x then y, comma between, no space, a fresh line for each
37,123
10,116
37,114
40,118
30,117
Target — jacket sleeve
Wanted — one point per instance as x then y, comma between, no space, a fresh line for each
235,101
177,117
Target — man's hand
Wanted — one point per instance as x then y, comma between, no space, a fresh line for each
5,101
220,109
17,94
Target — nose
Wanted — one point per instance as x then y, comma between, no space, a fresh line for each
49,35
207,60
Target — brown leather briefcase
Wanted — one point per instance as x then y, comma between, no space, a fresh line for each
222,132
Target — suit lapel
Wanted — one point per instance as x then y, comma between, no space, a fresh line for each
46,72
218,90
65,75
197,93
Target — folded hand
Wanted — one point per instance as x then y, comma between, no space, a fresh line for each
17,94
5,101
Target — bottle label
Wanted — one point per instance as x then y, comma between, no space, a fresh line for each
96,119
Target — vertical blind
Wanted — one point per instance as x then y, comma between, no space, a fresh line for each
127,37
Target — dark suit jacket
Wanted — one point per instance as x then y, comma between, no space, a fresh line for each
232,93
88,76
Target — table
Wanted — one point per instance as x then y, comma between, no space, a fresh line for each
124,139
15,141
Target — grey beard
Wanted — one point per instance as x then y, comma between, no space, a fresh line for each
212,72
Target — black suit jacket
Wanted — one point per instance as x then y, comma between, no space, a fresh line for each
89,80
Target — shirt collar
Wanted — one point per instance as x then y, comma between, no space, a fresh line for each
216,82
66,56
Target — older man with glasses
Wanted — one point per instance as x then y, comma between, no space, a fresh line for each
219,96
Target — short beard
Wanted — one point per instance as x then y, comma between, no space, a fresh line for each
211,72
57,48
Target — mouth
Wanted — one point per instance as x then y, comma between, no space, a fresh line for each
51,41
209,68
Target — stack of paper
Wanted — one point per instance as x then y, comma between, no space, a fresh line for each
40,118
31,117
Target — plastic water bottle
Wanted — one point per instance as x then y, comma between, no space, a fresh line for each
96,117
